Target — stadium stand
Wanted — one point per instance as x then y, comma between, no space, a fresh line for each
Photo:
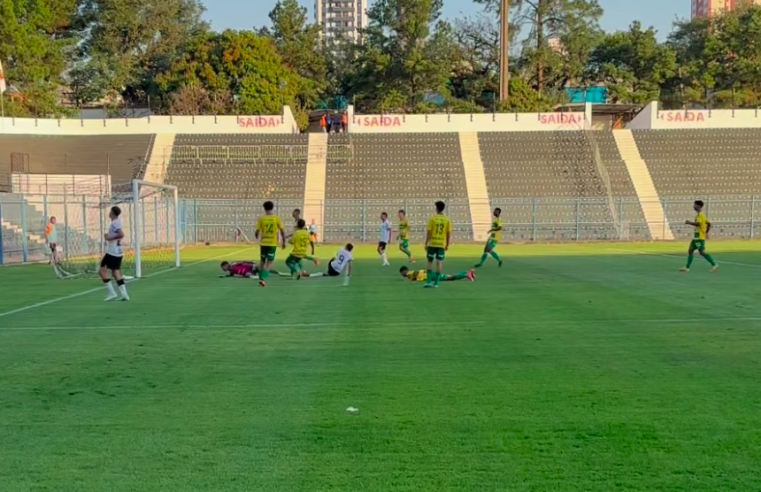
123,157
717,165
385,171
555,166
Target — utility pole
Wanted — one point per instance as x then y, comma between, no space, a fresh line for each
504,35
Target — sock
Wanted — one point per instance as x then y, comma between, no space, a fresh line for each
689,261
383,257
495,255
110,288
292,267
122,288
261,273
709,258
318,274
460,276
264,274
438,277
429,276
483,258
280,274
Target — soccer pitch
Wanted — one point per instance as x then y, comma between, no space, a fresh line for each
573,367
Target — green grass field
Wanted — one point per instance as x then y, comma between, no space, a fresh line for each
573,367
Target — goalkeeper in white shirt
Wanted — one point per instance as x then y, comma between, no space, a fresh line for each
342,261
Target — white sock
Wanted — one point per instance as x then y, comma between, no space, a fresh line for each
318,274
123,291
110,289
383,257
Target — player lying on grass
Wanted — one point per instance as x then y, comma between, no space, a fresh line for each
245,269
422,275
336,265
702,228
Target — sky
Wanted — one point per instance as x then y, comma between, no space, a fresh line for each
247,14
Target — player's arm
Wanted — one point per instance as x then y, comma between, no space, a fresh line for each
708,228
449,234
428,234
282,234
258,229
118,234
694,224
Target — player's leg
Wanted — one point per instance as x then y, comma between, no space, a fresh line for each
382,253
690,257
290,262
485,255
708,257
439,265
430,255
103,272
463,275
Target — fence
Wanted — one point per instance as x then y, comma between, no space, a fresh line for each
82,219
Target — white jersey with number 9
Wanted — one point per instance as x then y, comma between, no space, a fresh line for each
342,259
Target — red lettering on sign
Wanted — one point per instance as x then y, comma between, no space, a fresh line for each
376,121
258,122
561,119
682,116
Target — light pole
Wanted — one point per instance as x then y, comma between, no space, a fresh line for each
504,34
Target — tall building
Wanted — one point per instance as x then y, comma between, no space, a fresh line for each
710,8
341,18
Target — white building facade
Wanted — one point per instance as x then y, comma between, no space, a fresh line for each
341,18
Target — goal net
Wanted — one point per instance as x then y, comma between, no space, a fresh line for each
150,222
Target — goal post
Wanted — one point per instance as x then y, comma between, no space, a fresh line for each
155,226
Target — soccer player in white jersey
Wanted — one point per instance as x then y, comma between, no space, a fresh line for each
384,239
342,260
113,258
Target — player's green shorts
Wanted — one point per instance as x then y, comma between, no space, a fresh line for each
491,244
267,253
404,243
435,254
698,244
293,259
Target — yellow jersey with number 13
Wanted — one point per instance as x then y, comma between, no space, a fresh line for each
268,227
439,226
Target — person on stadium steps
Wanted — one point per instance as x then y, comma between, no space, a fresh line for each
246,269
702,229
113,257
422,275
51,237
384,238
342,260
404,235
437,238
300,242
494,235
269,229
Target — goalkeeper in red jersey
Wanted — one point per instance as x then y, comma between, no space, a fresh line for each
244,269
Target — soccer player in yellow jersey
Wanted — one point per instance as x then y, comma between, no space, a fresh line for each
404,235
437,237
422,275
702,228
494,233
300,242
269,230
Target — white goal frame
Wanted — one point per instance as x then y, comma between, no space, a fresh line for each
137,186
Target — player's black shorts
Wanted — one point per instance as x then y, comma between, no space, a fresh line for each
53,247
111,262
332,271
382,245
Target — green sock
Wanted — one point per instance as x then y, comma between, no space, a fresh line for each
460,276
483,258
429,276
439,276
689,261
495,255
709,258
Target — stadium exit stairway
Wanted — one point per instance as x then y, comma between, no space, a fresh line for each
161,153
475,182
314,184
649,201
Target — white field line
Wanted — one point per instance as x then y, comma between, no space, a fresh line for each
361,326
90,291
666,255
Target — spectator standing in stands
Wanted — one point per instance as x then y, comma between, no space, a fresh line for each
323,123
344,122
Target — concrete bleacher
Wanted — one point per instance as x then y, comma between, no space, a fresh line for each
388,172
239,166
719,166
123,157
556,167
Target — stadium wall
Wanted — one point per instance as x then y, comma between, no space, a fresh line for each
652,118
284,123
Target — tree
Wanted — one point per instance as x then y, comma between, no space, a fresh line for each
130,41
35,41
632,65
408,52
